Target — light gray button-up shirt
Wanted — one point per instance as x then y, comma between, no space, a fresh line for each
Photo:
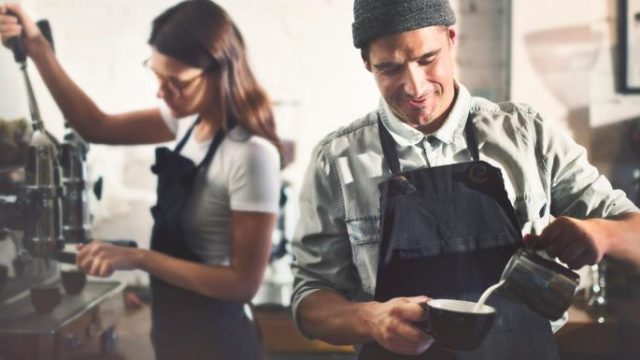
336,242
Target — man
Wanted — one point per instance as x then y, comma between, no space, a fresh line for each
429,195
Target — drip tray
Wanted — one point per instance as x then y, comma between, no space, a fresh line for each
76,321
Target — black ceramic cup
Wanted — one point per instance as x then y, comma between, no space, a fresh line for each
455,325
73,281
45,298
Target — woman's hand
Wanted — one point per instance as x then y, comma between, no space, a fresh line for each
102,259
15,22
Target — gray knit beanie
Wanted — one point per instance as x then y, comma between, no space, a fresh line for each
377,18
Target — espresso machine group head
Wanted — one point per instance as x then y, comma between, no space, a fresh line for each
52,206
41,198
41,195
76,219
72,157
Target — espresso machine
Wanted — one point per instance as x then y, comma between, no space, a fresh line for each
44,209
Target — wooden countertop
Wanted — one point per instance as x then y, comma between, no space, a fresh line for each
614,332
281,336
584,337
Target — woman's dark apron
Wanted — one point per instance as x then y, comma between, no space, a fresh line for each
448,232
187,325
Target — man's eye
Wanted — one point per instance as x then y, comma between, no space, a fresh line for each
391,70
426,61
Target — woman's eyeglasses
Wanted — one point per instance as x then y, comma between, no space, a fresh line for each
175,85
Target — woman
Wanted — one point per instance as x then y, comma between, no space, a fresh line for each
217,191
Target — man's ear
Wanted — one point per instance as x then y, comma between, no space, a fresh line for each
453,36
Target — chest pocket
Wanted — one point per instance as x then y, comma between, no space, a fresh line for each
364,235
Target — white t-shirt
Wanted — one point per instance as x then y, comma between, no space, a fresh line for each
244,175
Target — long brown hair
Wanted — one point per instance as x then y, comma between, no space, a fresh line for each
201,34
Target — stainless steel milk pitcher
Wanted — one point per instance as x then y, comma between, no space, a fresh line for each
546,286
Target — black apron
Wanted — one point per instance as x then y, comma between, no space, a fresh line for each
187,325
448,232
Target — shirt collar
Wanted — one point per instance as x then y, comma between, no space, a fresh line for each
450,132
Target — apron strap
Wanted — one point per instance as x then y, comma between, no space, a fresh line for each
388,147
212,148
391,153
186,136
472,141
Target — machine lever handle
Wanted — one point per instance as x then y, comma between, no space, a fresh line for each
19,55
45,29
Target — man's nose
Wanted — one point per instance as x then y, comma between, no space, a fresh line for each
414,81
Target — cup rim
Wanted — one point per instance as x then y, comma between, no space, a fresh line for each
438,304
71,272
45,288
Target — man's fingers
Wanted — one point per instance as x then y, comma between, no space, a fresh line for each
531,240
408,332
571,252
418,299
584,259
554,231
558,246
402,346
409,311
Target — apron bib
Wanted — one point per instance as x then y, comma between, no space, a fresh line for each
187,325
448,232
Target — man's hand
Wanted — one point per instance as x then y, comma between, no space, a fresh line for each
14,21
575,242
392,325
102,259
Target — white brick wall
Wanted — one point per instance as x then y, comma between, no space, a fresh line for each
483,47
570,75
301,51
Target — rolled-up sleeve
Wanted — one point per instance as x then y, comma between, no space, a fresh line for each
321,247
577,188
